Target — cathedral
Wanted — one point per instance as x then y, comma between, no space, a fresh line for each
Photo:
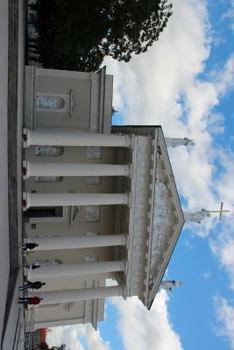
99,201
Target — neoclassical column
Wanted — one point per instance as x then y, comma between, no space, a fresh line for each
57,137
73,169
66,296
76,270
70,199
66,242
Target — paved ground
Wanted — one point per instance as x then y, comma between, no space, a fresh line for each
11,103
4,232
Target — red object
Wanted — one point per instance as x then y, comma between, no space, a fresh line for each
43,334
34,300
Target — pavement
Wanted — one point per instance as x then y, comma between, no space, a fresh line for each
4,216
11,112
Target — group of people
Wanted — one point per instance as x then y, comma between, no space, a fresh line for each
30,300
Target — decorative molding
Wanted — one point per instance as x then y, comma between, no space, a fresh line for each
138,215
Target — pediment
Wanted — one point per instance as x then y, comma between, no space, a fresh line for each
166,221
155,216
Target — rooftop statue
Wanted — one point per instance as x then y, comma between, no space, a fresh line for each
200,215
197,216
169,285
175,142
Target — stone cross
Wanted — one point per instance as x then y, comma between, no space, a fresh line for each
220,212
199,216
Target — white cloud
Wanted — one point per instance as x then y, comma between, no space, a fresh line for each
230,14
72,336
163,87
206,275
225,314
139,328
225,79
224,185
223,248
143,329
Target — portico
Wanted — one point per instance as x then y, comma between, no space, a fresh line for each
100,202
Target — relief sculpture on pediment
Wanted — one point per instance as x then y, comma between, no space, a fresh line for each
162,221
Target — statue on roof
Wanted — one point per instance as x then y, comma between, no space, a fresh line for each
200,215
169,285
176,141
197,216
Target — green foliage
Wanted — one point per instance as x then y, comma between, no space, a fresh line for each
77,34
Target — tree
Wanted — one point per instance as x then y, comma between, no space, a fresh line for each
78,34
133,26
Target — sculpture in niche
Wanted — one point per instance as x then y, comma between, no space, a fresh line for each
90,258
92,213
49,151
49,103
93,180
93,152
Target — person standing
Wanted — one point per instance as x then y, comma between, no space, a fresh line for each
29,300
29,246
32,285
33,266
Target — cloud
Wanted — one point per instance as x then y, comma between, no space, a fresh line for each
230,14
138,327
149,87
167,86
143,329
225,314
223,248
225,80
206,275
164,86
77,337
224,184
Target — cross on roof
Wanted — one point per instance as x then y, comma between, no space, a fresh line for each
220,212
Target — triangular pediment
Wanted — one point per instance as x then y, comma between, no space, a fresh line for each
155,216
166,221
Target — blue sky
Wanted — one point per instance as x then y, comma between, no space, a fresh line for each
186,83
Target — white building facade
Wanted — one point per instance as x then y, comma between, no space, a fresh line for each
100,202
